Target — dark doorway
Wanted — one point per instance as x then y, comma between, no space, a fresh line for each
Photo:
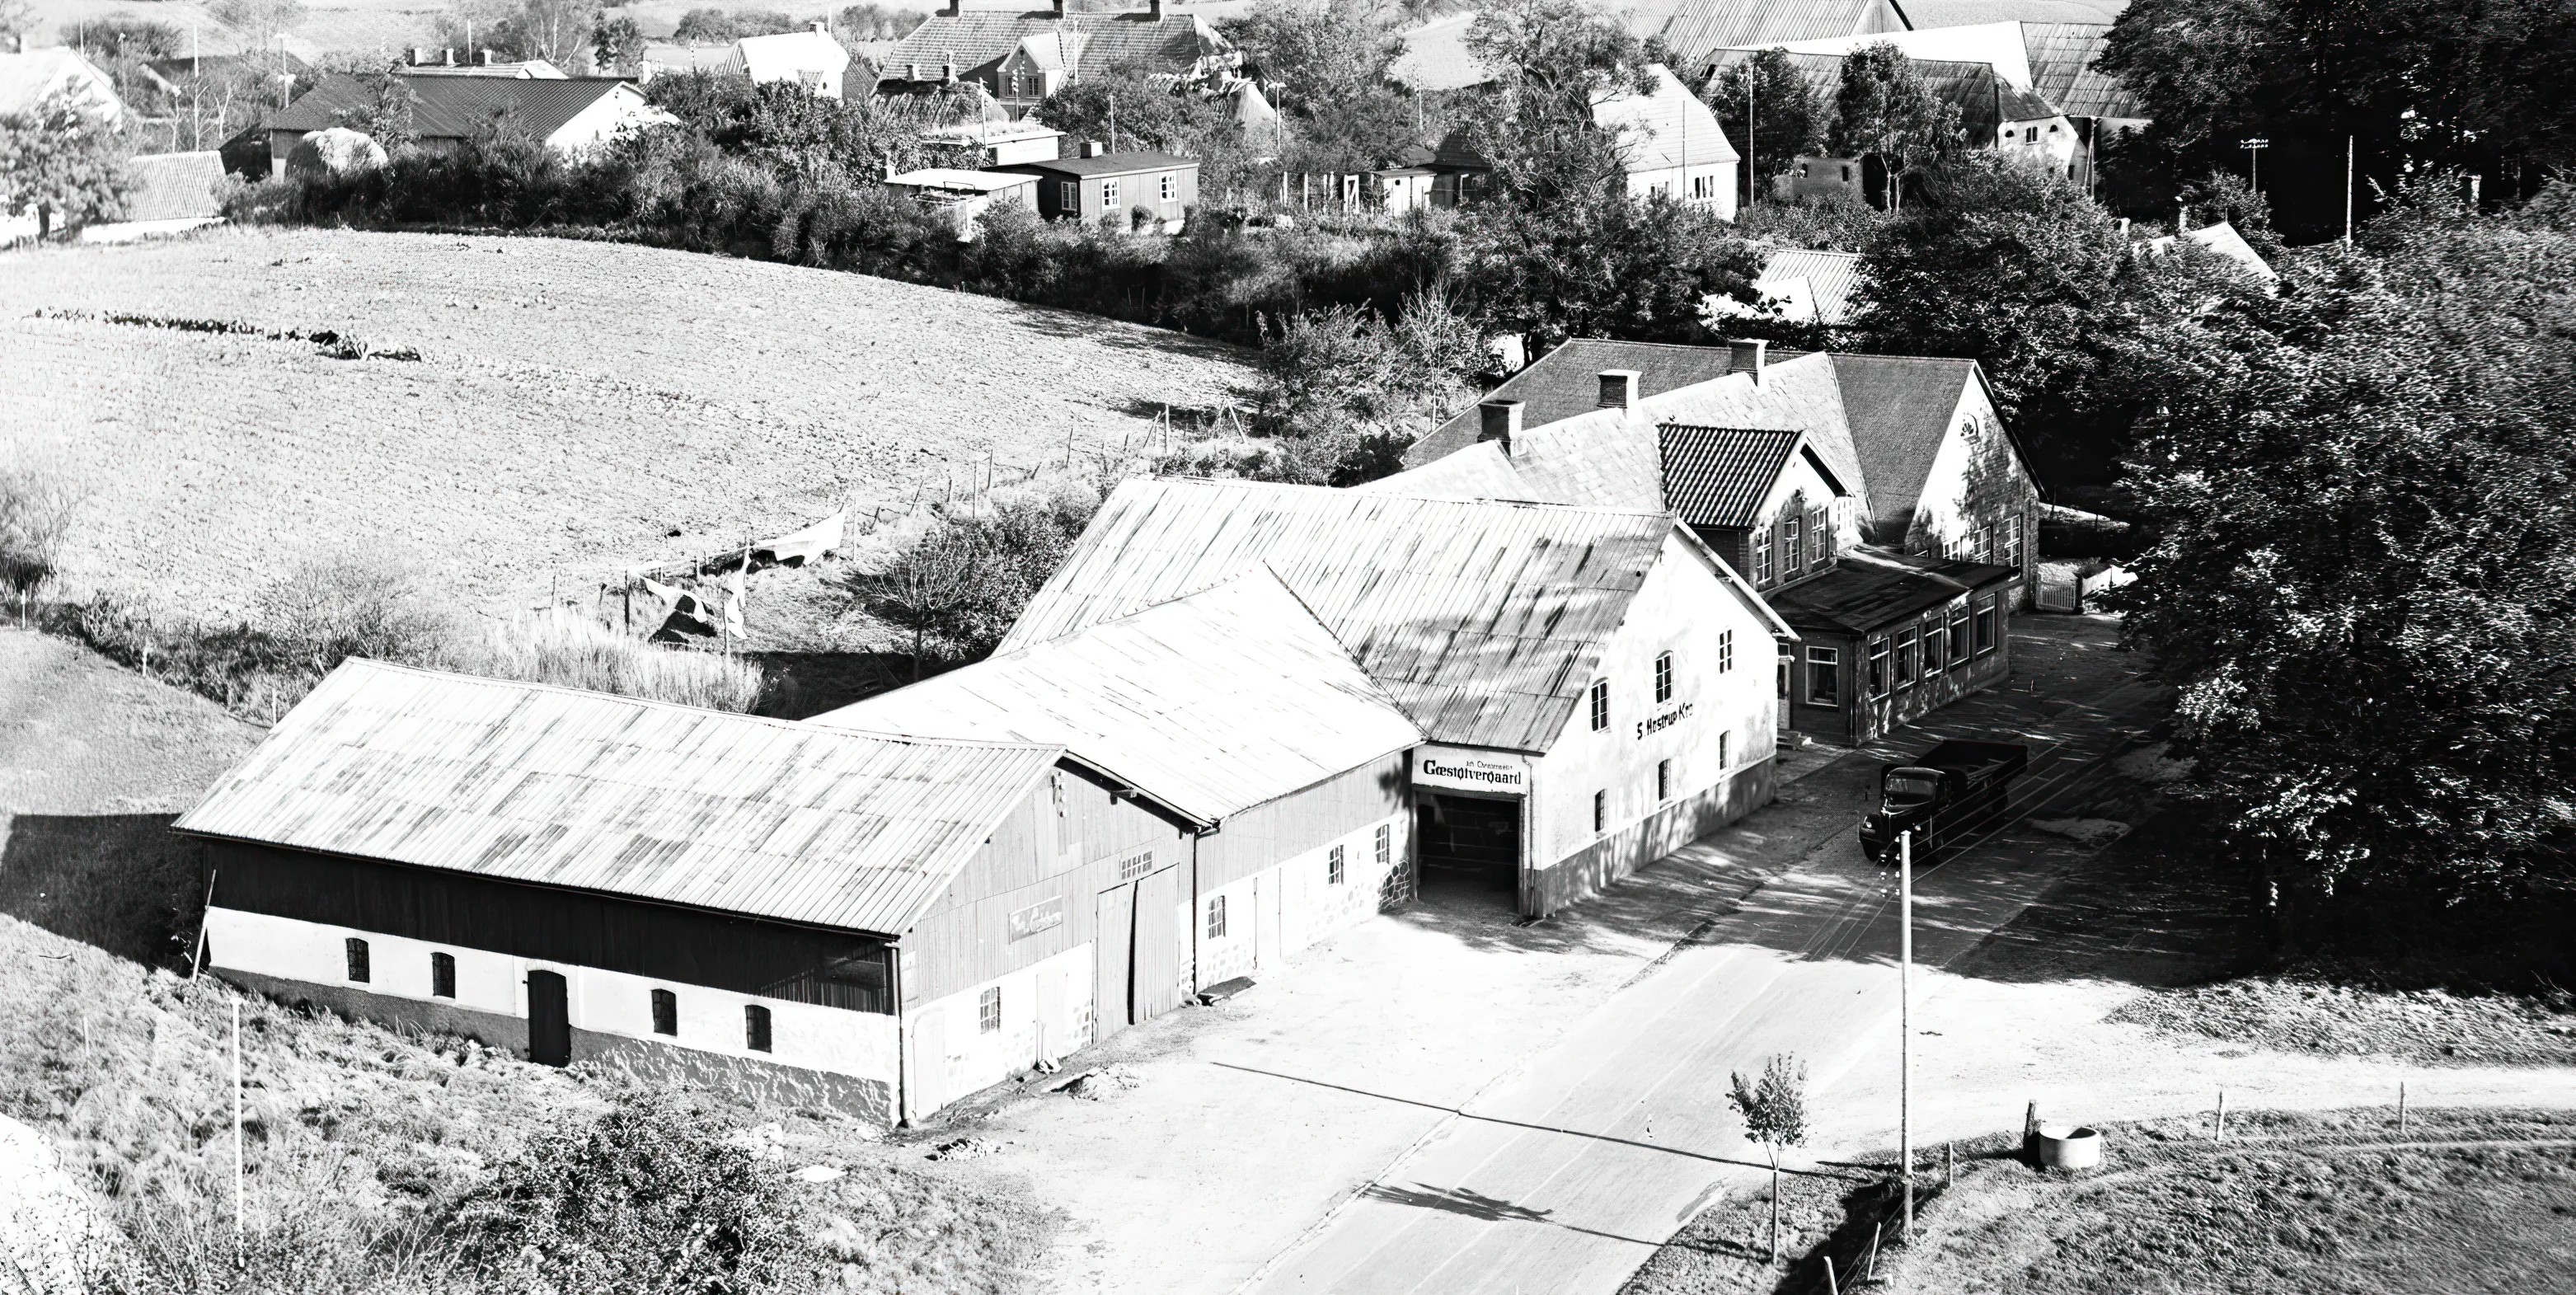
1470,843
549,1020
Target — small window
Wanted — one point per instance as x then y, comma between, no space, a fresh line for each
1933,638
1786,661
755,1027
1847,175
1069,196
1725,651
1600,812
1109,194
1600,704
1136,865
1986,636
1878,667
1824,676
1664,677
1722,744
1333,866
1663,780
1167,188
442,975
358,969
1789,551
988,1011
666,1012
1905,659
1819,550
2012,541
1385,844
1959,642
1216,917
1762,557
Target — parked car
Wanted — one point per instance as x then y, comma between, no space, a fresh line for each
1942,796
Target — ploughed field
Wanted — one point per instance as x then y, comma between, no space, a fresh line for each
572,404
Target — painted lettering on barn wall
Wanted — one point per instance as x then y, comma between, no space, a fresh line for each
1035,918
1460,769
1659,723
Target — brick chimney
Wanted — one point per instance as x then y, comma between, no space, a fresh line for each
1499,421
954,8
1745,356
1154,10
1619,388
1059,8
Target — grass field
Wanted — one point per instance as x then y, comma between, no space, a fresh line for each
2339,1203
576,406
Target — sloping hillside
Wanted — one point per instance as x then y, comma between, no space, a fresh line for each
574,406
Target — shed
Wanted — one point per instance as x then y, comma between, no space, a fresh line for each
1098,184
871,920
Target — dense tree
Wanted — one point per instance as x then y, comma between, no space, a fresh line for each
122,37
617,44
2011,265
714,26
870,20
2363,580
1883,110
61,161
1130,109
1766,93
1324,64
1553,59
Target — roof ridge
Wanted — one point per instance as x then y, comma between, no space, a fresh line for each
1288,487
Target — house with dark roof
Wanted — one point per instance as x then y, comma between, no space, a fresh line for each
1020,57
1099,183
568,114
1593,683
876,922
1848,490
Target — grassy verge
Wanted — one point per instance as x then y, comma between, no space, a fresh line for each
2334,1201
362,1142
2341,1009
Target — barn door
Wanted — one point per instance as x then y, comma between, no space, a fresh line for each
1055,1031
1161,936
549,1020
1113,961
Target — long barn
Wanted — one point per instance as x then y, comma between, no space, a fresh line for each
575,876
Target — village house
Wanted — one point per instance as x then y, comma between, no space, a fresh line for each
1019,58
1863,497
812,58
875,922
1100,184
1234,714
570,115
1592,683
1669,143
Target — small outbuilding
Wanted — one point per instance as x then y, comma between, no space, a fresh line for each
1163,186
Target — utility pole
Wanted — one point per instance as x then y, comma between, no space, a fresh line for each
237,1134
2347,190
1905,1019
1752,173
2254,160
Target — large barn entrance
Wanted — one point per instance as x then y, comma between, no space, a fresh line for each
1469,843
1137,952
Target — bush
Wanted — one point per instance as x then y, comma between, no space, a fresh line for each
656,1196
328,609
569,650
37,501
967,574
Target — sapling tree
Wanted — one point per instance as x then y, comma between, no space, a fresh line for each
37,501
1774,1108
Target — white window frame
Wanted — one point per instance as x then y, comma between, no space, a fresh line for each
988,1010
1109,194
1600,705
1832,661
1068,195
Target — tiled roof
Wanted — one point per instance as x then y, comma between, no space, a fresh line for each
174,186
1108,164
1484,621
1210,704
455,107
975,38
1829,279
1899,409
1870,589
588,791
2061,68
1718,476
1693,28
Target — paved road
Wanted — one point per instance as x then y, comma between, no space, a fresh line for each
1563,1178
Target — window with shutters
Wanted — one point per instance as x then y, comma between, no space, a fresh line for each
755,1027
988,1011
666,1012
1664,677
1600,704
1333,866
358,968
442,975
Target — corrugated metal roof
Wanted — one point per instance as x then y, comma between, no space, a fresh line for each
1211,704
1480,471
2061,67
970,40
1828,280
555,787
1484,621
1693,28
455,107
1718,476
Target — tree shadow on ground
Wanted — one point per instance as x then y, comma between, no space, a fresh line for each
802,685
122,882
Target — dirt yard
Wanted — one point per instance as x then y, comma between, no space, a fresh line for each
575,407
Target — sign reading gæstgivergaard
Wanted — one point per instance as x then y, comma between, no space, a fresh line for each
1456,768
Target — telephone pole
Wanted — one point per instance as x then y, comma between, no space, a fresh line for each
1905,1020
